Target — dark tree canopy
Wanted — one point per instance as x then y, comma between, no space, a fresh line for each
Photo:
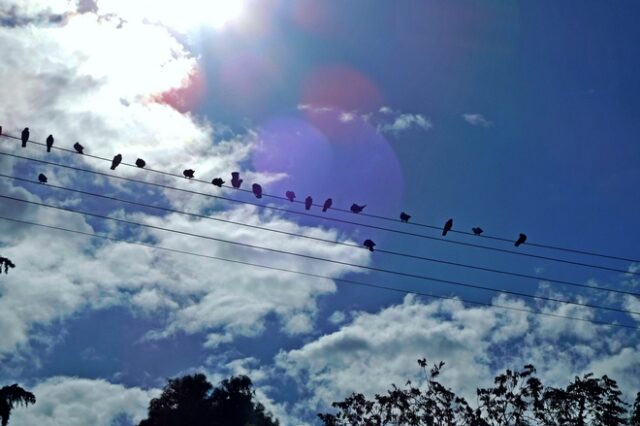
517,398
192,400
10,396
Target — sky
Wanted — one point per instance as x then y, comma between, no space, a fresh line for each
513,116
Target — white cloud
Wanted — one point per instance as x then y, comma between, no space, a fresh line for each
404,122
338,317
477,120
74,401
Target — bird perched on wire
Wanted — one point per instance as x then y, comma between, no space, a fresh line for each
79,148
356,208
49,142
447,227
477,230
327,204
42,178
116,160
405,217
218,182
25,137
141,163
5,264
521,239
188,173
308,202
290,195
257,190
235,180
369,244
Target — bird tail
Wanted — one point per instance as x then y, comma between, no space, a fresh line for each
113,167
24,144
48,149
444,232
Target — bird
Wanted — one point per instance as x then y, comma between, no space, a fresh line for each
235,180
447,227
141,163
49,142
218,182
308,202
369,244
116,160
42,178
257,190
25,137
327,204
290,195
188,173
521,239
79,148
404,217
356,208
477,230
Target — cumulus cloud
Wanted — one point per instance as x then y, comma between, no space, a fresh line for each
74,401
475,342
477,120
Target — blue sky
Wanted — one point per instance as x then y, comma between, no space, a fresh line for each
517,117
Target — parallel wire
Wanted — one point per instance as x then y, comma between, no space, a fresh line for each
338,280
293,234
434,227
396,231
337,262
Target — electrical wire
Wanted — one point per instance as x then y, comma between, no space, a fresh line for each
337,262
311,275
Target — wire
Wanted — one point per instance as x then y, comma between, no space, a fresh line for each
158,185
308,274
337,262
277,197
292,234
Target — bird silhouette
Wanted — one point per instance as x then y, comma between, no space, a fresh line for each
369,244
290,195
447,227
49,142
116,160
42,178
327,204
257,190
235,180
188,173
308,202
79,148
405,217
521,239
25,137
141,163
356,208
477,230
218,182
0,130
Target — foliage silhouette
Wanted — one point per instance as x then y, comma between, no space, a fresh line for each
192,400
11,396
5,264
517,398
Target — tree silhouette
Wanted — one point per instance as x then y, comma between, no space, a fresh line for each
189,400
11,396
517,398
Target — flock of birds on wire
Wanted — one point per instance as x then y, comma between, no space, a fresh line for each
256,188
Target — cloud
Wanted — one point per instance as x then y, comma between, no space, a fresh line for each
477,120
72,401
377,349
385,119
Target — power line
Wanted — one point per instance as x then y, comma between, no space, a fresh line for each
337,262
434,227
332,219
293,234
311,275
